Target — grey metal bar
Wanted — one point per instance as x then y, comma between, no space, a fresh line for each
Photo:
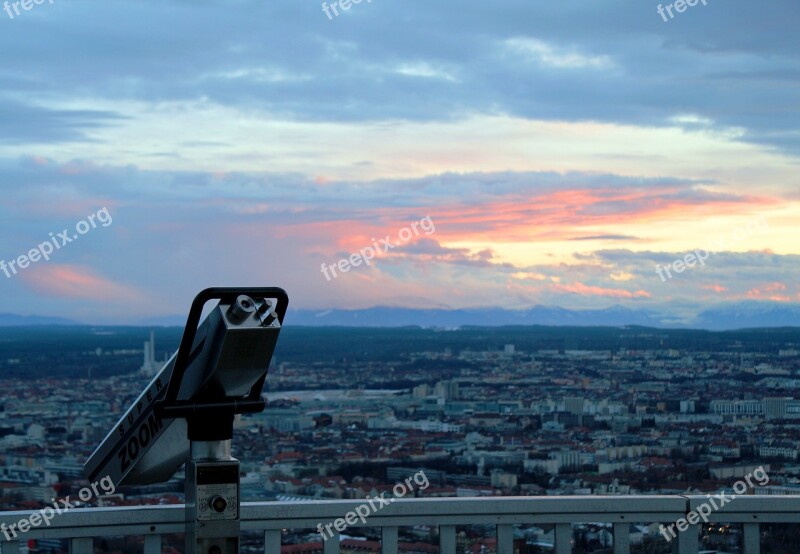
505,539
272,541
81,546
279,521
688,541
447,539
146,520
389,540
563,535
97,522
772,509
10,547
152,544
467,511
622,538
331,545
752,538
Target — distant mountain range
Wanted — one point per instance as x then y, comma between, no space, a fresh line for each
733,316
749,314
740,315
15,320
478,317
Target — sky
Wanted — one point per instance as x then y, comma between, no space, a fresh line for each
514,153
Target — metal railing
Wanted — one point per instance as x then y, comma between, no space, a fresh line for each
81,525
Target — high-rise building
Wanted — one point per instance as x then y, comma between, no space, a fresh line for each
574,405
775,408
448,390
421,391
149,365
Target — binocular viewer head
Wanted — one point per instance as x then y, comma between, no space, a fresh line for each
218,371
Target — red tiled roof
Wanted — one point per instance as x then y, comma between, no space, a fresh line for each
305,548
360,546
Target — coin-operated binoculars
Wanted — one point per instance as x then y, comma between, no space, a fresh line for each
186,413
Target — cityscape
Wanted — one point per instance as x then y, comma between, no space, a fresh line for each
516,411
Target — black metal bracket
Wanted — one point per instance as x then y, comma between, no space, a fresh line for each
172,408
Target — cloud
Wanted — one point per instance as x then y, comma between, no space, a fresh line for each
593,290
24,122
551,56
76,282
430,251
775,292
715,287
516,234
608,237
613,63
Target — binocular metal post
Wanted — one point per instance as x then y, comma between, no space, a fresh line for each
212,499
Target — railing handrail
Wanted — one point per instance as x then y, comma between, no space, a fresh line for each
536,509
82,524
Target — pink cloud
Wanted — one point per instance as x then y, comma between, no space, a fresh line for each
72,281
591,290
772,287
769,291
716,287
549,215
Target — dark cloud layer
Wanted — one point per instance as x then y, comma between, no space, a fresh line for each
734,63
